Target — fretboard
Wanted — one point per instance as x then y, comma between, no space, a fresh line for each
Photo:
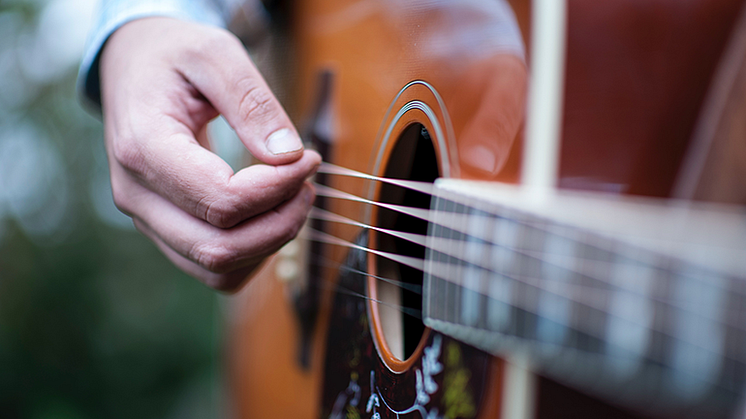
640,300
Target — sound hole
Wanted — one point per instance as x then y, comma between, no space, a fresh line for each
413,158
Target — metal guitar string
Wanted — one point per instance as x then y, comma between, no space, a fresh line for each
531,308
333,286
323,261
333,169
326,191
323,237
570,291
324,215
525,303
442,245
455,223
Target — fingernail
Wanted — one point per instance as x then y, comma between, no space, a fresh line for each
283,141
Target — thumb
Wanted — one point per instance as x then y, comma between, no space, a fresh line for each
220,68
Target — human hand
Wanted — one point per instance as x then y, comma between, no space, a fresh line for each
162,81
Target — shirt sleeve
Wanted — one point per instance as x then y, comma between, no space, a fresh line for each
114,13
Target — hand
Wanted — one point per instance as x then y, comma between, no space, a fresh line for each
162,81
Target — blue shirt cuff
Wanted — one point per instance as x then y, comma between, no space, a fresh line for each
115,13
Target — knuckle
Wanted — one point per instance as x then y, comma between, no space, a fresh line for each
213,256
209,43
139,226
218,213
290,231
129,155
120,197
256,101
294,229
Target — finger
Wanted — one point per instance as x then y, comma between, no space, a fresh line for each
220,68
223,250
229,281
202,136
202,184
155,123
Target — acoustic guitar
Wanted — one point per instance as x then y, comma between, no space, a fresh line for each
529,209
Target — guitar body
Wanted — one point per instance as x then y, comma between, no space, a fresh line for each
438,89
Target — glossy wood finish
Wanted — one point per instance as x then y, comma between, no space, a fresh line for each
637,73
373,49
715,165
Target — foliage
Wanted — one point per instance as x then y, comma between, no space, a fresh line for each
94,322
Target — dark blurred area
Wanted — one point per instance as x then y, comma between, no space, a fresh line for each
94,322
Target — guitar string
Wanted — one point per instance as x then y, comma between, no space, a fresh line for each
725,353
325,262
454,220
328,239
324,215
441,245
586,295
330,285
332,169
333,286
459,222
424,214
329,192
322,237
568,292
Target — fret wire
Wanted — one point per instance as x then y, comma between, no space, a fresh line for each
525,305
592,301
586,261
462,306
553,226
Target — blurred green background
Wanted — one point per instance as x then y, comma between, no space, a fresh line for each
94,322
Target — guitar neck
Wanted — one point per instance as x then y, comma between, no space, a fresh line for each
639,294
